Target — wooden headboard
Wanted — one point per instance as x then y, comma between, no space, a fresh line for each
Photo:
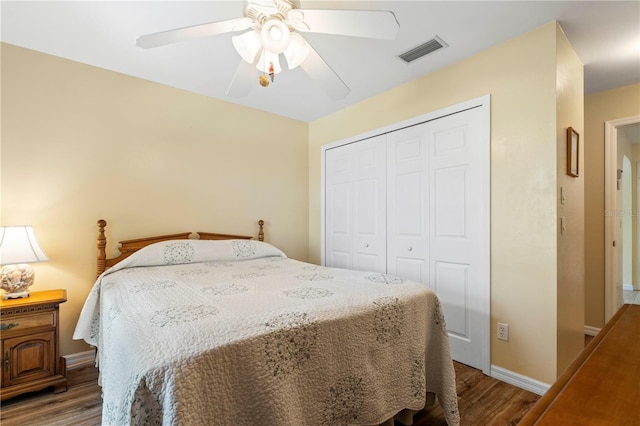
128,247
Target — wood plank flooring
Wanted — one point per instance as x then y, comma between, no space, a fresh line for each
80,405
482,400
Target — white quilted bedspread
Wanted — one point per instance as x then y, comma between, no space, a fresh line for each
193,332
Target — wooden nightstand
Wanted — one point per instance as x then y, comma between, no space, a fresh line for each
29,339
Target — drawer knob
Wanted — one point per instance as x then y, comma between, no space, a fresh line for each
9,326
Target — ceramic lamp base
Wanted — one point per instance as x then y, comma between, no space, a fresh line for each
16,295
16,280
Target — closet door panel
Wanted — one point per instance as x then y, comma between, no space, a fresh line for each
455,240
340,220
369,205
450,194
453,292
369,235
407,197
339,229
356,206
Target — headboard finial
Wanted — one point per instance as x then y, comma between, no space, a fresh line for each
261,232
102,243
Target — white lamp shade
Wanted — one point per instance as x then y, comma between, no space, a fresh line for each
18,244
297,51
267,58
247,45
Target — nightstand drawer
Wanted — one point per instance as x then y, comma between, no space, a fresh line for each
21,323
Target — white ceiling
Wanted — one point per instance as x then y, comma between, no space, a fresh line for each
631,132
605,35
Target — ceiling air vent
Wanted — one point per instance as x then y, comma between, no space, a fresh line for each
431,46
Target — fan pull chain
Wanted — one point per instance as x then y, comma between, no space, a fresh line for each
263,80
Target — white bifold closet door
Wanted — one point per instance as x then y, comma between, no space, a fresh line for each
356,200
458,235
413,203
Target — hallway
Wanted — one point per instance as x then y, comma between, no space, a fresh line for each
631,297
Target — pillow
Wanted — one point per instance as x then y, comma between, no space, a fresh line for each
174,252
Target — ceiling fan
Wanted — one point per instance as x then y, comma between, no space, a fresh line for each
273,27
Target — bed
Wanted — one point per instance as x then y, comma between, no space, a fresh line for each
205,328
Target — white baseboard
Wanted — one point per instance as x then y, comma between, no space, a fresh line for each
627,287
523,382
81,359
591,331
527,383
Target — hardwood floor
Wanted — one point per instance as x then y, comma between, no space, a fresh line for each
482,400
80,405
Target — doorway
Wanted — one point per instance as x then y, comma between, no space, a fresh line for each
622,149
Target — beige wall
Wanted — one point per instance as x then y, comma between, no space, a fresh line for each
614,104
1,51
81,143
520,76
570,92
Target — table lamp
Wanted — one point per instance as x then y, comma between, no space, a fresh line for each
18,248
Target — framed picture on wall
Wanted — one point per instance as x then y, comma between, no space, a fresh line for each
573,152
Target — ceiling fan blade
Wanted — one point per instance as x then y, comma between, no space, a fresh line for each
192,32
380,24
324,76
241,84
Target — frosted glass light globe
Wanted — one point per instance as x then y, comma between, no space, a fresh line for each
275,36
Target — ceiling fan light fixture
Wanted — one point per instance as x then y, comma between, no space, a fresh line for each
275,36
297,51
273,27
247,45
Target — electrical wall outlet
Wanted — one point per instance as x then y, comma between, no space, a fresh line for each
503,331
